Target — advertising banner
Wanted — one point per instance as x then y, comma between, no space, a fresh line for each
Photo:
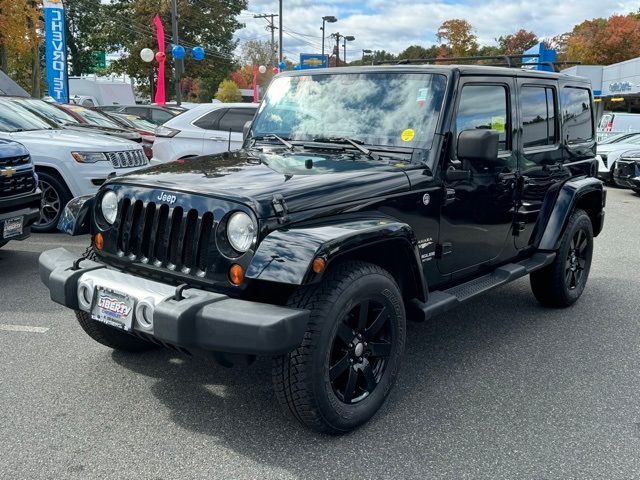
312,60
55,51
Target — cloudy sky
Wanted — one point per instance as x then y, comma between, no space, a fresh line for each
394,25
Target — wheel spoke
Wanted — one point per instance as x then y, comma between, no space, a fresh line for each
345,333
369,378
339,367
377,324
574,280
350,388
363,316
567,277
380,349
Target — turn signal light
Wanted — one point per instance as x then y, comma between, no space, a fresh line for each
236,274
98,241
318,264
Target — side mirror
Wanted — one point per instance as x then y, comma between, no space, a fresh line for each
246,129
478,145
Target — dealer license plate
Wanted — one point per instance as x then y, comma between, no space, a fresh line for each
12,227
113,308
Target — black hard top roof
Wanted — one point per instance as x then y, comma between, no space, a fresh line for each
443,69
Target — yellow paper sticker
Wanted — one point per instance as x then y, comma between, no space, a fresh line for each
498,124
408,135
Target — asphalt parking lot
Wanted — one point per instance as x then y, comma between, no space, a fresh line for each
500,388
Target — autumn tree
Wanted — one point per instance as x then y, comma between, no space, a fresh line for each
458,37
517,43
20,27
258,52
228,92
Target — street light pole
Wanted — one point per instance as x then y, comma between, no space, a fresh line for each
327,19
279,32
178,63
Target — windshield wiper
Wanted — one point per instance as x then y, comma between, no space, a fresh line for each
358,144
273,136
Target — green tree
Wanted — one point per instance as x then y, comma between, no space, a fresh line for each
418,52
84,33
228,92
257,52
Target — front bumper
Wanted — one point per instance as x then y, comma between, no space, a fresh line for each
201,320
627,174
25,206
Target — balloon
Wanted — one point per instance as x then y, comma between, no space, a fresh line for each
297,67
197,53
262,69
282,66
160,57
146,54
178,52
275,70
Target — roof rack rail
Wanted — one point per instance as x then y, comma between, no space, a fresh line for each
510,61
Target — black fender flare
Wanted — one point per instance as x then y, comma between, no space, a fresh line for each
585,192
76,216
286,255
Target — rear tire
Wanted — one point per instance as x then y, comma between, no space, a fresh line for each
351,353
55,196
560,284
110,337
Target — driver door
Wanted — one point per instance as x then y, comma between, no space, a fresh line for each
477,215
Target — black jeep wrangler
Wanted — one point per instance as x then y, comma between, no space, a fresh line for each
362,197
19,192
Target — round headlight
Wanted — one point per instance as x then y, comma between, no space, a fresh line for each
240,231
109,207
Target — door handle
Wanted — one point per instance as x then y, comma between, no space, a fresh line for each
449,196
218,139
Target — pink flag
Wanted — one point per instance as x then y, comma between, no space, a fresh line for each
160,92
256,94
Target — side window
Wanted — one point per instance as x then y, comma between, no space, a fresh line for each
210,120
160,116
484,107
235,119
141,112
538,116
577,115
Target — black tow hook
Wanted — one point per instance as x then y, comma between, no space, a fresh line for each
179,289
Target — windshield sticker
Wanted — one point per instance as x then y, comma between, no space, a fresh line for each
408,134
423,95
498,124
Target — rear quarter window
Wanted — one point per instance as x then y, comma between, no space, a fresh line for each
577,115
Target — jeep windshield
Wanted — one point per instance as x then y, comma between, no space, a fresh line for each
385,109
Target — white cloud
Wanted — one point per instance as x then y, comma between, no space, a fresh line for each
393,26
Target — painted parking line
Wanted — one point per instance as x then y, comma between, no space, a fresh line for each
22,328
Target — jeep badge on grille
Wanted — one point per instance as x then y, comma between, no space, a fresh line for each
167,198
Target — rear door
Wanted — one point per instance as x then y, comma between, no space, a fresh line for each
228,132
540,152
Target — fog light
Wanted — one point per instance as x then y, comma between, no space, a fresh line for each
98,241
236,274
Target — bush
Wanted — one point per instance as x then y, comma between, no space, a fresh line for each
228,92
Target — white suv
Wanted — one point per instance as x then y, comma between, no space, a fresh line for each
203,130
68,163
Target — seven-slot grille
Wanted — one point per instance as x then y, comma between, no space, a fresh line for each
172,238
18,183
126,159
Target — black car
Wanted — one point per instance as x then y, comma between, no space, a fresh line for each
152,113
627,171
19,193
362,197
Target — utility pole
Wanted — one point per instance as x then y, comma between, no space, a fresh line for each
271,26
337,36
178,63
280,32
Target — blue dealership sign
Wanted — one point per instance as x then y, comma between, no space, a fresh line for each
313,60
55,51
543,55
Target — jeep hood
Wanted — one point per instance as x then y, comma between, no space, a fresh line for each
305,180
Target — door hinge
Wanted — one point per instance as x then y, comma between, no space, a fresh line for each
449,196
443,249
280,208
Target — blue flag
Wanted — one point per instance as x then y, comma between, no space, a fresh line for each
55,50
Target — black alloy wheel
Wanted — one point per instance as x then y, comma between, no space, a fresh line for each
360,350
576,259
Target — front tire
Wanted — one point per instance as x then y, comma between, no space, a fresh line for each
351,353
55,197
110,337
560,284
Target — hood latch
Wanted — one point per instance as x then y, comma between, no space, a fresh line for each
280,208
